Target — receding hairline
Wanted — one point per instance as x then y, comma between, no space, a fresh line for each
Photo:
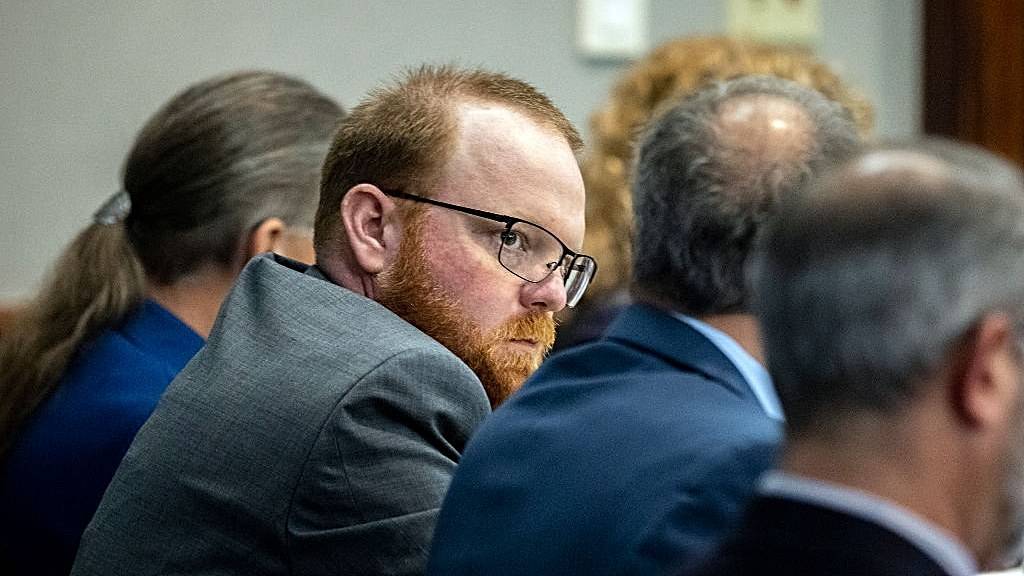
451,86
461,102
454,107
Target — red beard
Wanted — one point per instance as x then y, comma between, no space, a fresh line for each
408,290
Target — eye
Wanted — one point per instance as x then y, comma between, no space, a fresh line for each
512,239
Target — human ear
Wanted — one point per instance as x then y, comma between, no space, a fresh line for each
986,378
265,237
366,213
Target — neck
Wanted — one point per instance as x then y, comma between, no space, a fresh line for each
338,271
194,299
742,328
915,464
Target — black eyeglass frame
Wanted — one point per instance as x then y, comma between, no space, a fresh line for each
509,222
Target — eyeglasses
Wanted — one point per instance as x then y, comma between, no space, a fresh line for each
528,250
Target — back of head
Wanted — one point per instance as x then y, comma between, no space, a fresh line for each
218,159
214,162
711,171
667,73
868,280
401,136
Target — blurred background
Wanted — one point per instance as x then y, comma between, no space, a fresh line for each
79,79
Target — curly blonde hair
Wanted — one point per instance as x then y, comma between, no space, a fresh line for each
668,72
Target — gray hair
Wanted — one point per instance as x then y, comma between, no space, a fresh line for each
865,284
219,158
699,202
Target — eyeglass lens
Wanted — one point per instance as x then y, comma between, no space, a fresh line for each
532,253
581,271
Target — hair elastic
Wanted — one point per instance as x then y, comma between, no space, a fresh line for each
114,210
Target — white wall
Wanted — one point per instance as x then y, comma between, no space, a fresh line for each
78,79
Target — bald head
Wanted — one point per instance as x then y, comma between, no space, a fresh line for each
751,120
763,141
710,171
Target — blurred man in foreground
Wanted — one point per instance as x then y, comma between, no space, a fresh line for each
892,305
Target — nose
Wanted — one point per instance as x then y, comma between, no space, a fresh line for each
548,295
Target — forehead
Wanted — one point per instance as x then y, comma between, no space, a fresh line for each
505,162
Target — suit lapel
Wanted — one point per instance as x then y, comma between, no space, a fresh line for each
656,332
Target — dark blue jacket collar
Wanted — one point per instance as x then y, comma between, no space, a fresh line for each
657,332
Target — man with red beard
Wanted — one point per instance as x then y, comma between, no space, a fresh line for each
318,430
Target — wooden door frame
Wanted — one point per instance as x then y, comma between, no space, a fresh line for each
974,73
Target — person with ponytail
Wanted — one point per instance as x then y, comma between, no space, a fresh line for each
229,168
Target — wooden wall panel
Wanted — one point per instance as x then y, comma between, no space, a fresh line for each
974,72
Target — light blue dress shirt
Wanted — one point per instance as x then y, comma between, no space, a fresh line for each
753,372
942,547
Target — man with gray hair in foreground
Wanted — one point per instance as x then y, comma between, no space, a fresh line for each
892,307
634,454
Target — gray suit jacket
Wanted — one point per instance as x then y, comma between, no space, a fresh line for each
316,433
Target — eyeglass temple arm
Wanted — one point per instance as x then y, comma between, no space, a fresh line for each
508,220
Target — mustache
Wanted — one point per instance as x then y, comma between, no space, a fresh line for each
538,327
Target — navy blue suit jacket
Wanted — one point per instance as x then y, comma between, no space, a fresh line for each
630,455
53,478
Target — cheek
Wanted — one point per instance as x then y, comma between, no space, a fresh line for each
485,292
